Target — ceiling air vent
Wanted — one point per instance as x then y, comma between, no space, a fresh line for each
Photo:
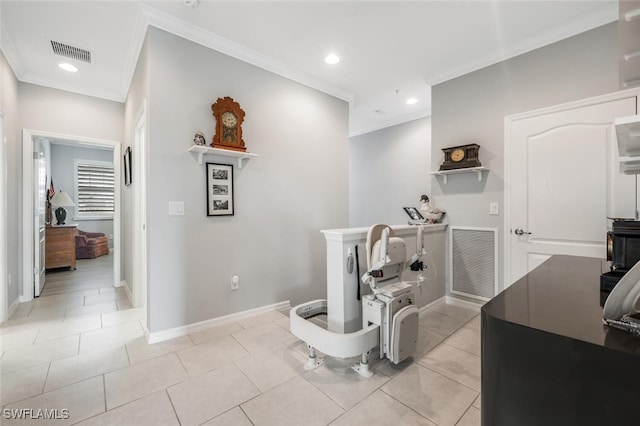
71,52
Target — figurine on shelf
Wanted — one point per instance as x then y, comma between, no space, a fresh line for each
433,214
199,138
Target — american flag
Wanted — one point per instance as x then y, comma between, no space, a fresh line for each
52,191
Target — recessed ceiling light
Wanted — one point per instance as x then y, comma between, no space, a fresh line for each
68,67
412,101
332,59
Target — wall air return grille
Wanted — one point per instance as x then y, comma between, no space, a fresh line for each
474,262
71,52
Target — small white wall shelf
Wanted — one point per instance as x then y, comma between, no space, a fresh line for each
445,173
201,151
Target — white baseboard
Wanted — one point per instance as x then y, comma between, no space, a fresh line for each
122,283
427,306
12,308
172,333
127,289
465,303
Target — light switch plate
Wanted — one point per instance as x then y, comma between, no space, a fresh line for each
176,208
494,209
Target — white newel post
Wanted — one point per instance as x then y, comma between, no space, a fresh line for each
343,310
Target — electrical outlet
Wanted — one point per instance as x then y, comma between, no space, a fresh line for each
494,209
235,282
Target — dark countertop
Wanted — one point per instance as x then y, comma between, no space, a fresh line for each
562,297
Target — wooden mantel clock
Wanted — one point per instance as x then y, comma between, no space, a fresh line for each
229,117
461,157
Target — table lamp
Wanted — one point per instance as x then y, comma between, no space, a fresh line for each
61,199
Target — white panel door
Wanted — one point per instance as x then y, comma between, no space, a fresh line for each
39,204
564,183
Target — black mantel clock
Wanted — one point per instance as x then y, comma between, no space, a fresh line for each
460,157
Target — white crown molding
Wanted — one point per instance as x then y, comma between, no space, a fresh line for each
173,25
572,28
138,35
11,53
399,119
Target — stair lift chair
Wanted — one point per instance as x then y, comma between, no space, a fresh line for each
389,313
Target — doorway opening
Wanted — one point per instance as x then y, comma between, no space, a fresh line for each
32,252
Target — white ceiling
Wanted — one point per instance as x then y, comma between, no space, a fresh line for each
390,50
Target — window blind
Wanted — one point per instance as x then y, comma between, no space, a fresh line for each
95,188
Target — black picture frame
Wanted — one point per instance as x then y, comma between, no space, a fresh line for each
220,190
413,213
127,166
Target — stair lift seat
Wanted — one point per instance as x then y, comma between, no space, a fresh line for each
389,313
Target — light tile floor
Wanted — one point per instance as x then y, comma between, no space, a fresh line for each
78,347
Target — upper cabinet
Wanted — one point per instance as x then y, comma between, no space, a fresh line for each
629,42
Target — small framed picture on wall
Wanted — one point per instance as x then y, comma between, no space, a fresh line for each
219,189
127,166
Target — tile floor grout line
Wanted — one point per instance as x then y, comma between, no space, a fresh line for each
46,379
140,397
444,342
448,378
465,412
184,367
238,341
52,390
260,393
245,414
104,391
402,403
173,407
235,364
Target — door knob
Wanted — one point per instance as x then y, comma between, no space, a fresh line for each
521,232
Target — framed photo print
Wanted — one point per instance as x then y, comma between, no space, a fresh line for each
219,189
127,166
413,213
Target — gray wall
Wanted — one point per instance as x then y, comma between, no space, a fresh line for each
9,107
472,108
62,171
298,186
387,171
52,110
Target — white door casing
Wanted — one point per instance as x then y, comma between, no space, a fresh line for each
4,278
139,183
563,181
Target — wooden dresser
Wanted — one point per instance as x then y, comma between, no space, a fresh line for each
60,246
